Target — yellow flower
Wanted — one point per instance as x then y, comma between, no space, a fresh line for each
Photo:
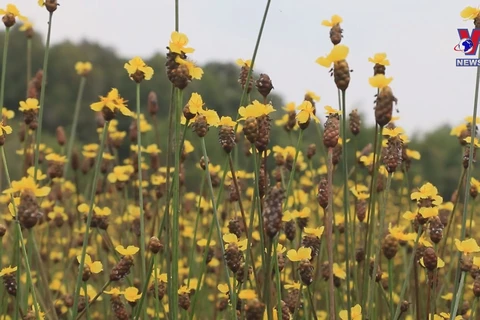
427,191
53,157
289,107
131,294
475,183
336,19
469,13
256,109
7,270
129,251
314,231
135,65
27,184
397,232
331,111
468,140
27,25
120,173
242,63
203,243
8,114
302,254
113,292
338,53
12,10
4,129
247,294
312,95
211,117
397,131
232,238
360,192
94,266
428,212
195,104
194,71
83,68
307,111
223,288
380,58
227,121
355,312
467,246
339,272
458,130
379,81
112,101
294,285
29,104
413,154
178,41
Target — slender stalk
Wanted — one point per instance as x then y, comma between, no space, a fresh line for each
29,62
407,274
346,206
219,232
244,218
176,207
371,210
19,236
4,69
38,137
468,182
390,284
99,293
93,189
382,213
143,254
458,296
73,133
292,173
329,225
474,308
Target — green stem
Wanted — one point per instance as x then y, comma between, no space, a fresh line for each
73,132
29,62
268,275
294,167
93,189
99,293
254,57
4,69
18,231
469,173
329,227
143,254
382,213
42,96
458,296
346,206
176,208
371,210
217,223
390,284
407,275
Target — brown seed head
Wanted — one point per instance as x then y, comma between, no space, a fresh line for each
322,195
264,85
341,74
390,246
384,106
332,131
336,34
354,122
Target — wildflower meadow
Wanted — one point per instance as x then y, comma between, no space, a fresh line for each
171,209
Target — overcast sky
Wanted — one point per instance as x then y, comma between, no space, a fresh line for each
418,37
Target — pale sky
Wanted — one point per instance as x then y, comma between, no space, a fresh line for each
417,35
